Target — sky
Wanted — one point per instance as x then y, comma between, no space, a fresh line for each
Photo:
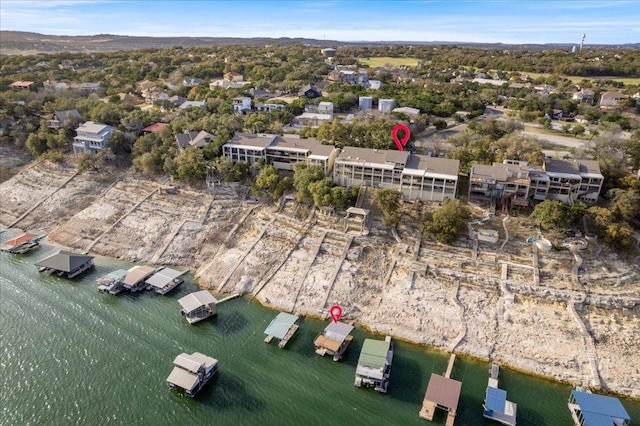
513,22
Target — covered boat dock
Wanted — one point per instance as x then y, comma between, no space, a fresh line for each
191,372
282,327
442,392
165,280
134,281
65,263
334,340
22,244
112,282
198,305
374,364
496,407
588,409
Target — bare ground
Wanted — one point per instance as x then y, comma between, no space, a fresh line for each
451,297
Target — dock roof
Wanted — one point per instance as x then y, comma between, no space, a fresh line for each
443,391
118,274
496,399
187,362
17,241
599,410
137,273
339,331
183,378
64,261
196,299
280,325
374,353
164,277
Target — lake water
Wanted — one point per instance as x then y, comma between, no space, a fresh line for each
72,355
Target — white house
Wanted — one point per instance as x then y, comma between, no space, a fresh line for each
191,104
91,137
241,104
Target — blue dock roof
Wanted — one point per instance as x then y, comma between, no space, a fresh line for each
599,410
496,399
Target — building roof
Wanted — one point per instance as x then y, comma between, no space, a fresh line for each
255,140
432,165
385,157
93,127
155,127
374,353
187,362
17,241
64,261
183,378
136,273
599,410
189,104
561,166
280,325
443,391
62,116
164,277
495,399
307,88
197,299
21,83
197,139
338,331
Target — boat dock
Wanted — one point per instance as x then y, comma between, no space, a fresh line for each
444,393
65,263
198,305
591,409
191,372
22,244
112,282
496,407
282,327
334,340
374,364
165,280
134,281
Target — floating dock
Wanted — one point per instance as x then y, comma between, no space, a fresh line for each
165,280
191,372
334,340
282,327
444,393
112,282
65,263
198,305
22,244
588,409
496,407
374,364
134,281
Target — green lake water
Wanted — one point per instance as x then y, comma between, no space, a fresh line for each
72,355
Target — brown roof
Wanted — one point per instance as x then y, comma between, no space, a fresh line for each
443,391
378,156
325,342
21,83
445,166
13,242
155,127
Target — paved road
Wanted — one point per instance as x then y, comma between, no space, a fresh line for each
557,139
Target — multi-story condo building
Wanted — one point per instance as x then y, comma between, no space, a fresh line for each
91,137
518,183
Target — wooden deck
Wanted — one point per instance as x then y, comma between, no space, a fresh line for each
288,336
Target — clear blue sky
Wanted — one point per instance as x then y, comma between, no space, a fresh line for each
532,21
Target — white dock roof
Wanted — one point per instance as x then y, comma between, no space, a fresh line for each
182,378
163,277
187,362
338,331
196,299
137,273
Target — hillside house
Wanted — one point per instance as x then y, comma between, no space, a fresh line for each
585,95
192,104
241,104
54,85
91,137
58,118
195,139
191,82
269,107
21,85
234,77
611,99
310,92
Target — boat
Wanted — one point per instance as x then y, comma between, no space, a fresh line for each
191,372
112,282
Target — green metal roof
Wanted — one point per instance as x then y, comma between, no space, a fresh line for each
374,353
280,325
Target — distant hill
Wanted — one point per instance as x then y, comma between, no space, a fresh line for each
20,42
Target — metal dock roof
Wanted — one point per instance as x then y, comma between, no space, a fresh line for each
64,261
599,410
17,241
163,277
374,353
443,391
280,325
338,331
137,273
196,299
183,378
496,399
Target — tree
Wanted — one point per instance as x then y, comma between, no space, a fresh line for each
447,222
552,214
190,166
440,124
321,192
269,180
388,201
303,177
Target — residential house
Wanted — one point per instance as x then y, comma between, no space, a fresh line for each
411,112
325,108
585,95
91,137
154,128
58,118
574,180
312,119
611,99
176,100
129,98
234,77
260,93
375,84
310,92
241,104
429,178
55,85
191,82
386,105
225,84
365,102
192,104
87,87
195,139
22,85
349,76
507,182
269,107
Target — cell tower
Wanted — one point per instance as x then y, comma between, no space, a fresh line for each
582,42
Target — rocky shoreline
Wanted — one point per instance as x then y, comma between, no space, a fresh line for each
505,302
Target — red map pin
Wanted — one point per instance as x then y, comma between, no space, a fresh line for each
400,143
335,312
